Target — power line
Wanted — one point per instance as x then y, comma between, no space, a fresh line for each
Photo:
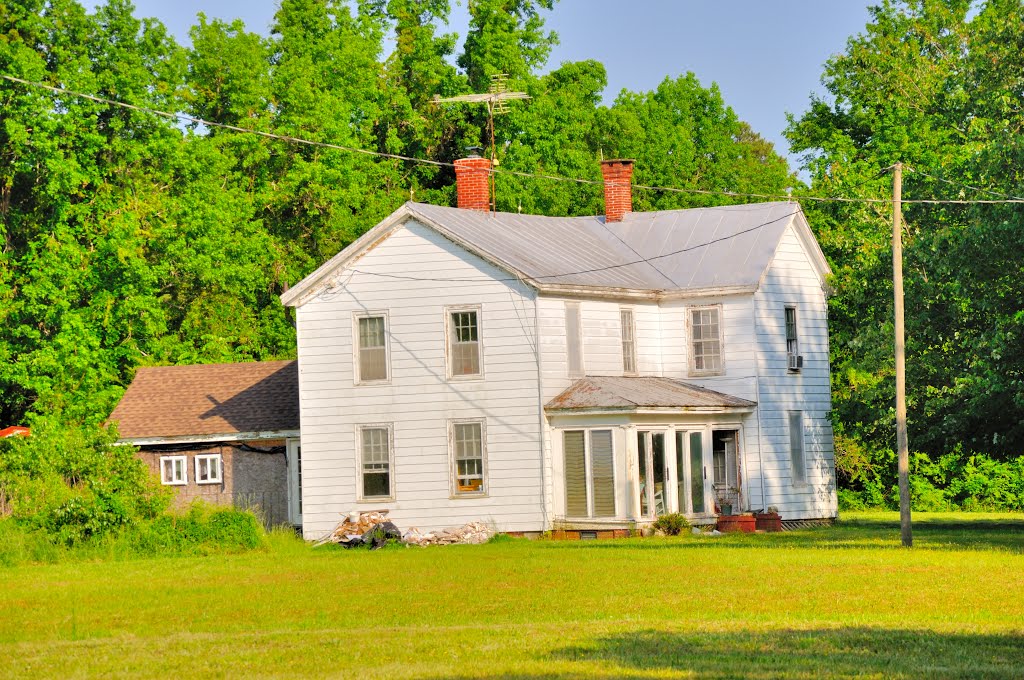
515,173
963,186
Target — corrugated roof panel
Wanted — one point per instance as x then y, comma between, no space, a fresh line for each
641,392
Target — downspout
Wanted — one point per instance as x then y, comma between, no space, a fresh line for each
757,386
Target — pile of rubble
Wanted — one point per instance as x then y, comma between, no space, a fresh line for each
473,533
374,529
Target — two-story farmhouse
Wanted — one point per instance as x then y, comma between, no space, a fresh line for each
587,373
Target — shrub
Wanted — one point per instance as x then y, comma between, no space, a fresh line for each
671,524
202,529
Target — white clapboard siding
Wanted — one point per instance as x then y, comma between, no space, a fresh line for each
419,400
792,281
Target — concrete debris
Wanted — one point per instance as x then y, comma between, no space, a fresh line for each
352,528
473,533
374,528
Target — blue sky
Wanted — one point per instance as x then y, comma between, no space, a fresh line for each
766,57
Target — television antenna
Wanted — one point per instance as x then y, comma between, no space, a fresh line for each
496,98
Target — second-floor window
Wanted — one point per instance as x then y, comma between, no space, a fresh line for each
574,339
628,341
464,358
372,351
792,342
705,329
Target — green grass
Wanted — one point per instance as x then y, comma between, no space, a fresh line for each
840,602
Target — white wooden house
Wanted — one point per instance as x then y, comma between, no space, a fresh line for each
588,373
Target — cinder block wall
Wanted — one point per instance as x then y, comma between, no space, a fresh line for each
250,480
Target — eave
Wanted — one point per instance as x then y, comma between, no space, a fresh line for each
208,438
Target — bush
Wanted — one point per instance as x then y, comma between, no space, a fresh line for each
203,529
671,524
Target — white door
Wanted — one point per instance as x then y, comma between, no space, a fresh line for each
294,461
691,468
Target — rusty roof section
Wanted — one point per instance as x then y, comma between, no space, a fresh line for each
628,393
210,399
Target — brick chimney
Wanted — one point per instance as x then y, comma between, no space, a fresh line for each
471,183
618,193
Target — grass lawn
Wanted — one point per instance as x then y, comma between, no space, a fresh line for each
840,602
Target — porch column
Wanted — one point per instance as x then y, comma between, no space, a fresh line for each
632,473
672,473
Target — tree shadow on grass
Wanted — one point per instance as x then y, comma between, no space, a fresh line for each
792,654
845,652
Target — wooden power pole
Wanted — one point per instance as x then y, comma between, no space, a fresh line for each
901,369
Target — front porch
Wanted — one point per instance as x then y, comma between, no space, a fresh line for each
628,450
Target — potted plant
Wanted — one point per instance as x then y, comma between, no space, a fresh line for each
768,520
727,521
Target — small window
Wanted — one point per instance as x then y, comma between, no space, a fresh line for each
628,341
796,447
464,342
208,469
172,470
574,339
375,444
707,340
372,352
468,448
792,343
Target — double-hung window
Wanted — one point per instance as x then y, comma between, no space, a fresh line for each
589,473
705,330
468,440
628,341
371,348
173,470
792,342
464,350
375,462
208,469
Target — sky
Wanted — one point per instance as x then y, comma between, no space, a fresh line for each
766,57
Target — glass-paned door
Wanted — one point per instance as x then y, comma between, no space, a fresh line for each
294,461
691,472
651,455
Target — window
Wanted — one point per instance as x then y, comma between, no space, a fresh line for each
628,341
574,339
792,344
464,342
589,473
468,444
796,447
707,340
375,445
208,469
172,470
372,359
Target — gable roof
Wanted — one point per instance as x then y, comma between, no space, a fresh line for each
14,431
722,249
631,393
210,401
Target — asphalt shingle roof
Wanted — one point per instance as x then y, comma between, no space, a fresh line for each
210,399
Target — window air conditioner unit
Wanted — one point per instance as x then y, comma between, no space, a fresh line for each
796,362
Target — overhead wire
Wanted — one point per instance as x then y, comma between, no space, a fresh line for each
499,171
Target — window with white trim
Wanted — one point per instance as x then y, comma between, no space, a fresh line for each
574,339
706,340
464,358
792,341
796,447
628,341
208,468
375,461
589,473
468,440
371,349
173,470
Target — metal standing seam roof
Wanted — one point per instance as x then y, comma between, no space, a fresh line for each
210,399
627,393
695,248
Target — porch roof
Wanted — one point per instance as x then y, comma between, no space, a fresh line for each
630,393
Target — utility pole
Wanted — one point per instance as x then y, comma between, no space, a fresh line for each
901,369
